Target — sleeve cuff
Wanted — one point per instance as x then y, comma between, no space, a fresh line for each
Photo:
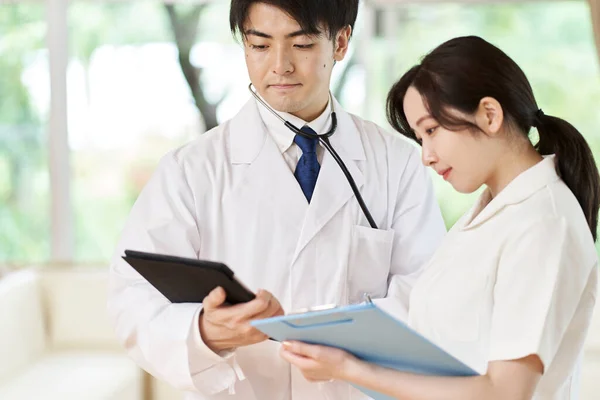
202,348
507,351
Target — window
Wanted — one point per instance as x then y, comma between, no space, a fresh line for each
24,92
129,102
552,41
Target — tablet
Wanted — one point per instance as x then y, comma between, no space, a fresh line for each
187,280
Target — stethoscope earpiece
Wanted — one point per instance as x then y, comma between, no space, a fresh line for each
293,127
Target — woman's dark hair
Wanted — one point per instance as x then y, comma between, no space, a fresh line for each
459,73
312,15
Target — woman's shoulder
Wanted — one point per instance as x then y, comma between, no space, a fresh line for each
556,202
554,212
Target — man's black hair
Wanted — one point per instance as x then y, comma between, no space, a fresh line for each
314,16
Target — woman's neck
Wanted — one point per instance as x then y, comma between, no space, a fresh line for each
513,164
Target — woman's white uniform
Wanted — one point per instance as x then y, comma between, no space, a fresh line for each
515,276
231,196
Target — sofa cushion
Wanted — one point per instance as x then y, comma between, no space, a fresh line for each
161,390
22,333
76,302
76,375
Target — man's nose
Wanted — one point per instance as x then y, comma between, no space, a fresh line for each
282,63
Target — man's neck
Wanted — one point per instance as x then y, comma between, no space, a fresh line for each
309,114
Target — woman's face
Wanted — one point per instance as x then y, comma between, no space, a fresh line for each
463,158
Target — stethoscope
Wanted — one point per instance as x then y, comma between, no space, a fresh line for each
324,140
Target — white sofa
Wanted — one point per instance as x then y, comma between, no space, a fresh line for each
56,342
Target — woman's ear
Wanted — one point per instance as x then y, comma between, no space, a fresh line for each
489,116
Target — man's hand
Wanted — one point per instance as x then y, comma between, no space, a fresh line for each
225,327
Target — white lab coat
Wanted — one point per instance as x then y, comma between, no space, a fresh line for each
230,196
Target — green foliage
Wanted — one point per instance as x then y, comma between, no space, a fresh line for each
552,41
122,23
23,194
22,31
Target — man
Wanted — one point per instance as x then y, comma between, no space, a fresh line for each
278,211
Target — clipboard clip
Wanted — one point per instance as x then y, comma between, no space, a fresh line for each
366,300
310,309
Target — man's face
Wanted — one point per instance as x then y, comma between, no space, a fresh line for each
290,69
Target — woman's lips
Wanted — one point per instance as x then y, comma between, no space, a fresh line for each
446,173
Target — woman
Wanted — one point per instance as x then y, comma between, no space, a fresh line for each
512,288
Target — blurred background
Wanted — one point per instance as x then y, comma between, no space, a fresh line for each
93,93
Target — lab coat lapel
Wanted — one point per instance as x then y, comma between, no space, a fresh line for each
267,178
333,191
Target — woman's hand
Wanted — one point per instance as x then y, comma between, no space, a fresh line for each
318,363
514,379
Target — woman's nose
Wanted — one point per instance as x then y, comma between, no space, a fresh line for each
428,156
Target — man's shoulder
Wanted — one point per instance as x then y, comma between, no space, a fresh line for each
210,145
373,130
381,140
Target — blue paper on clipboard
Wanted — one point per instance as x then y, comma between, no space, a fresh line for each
370,334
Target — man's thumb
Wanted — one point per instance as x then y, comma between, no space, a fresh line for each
215,298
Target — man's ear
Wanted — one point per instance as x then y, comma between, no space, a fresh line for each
342,41
489,116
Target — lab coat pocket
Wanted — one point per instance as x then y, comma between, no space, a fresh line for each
369,262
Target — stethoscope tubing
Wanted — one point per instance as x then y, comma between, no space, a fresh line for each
324,140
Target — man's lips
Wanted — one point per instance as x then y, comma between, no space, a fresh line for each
284,86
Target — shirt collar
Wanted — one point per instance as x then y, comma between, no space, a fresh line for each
519,189
283,136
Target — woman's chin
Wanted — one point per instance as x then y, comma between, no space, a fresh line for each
465,188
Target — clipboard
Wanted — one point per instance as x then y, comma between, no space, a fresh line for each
371,334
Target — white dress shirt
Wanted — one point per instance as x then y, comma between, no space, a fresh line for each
284,137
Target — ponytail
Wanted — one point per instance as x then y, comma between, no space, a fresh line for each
574,162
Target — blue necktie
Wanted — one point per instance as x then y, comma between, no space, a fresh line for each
308,166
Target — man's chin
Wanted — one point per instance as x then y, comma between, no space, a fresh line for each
284,105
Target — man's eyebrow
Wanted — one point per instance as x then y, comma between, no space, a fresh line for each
254,32
301,32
